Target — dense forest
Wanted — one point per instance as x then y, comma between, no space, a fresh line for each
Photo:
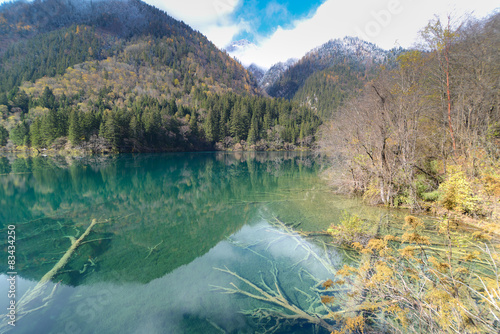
146,123
326,91
110,86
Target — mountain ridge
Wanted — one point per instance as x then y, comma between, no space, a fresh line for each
102,83
330,73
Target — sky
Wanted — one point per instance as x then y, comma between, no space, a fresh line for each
283,29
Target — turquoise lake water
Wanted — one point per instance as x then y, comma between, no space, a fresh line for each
168,221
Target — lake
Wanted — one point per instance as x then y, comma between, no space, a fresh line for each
175,232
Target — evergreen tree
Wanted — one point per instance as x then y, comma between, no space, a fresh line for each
35,135
21,100
47,100
75,131
19,133
4,136
109,129
211,126
172,107
51,128
3,99
135,129
253,133
193,124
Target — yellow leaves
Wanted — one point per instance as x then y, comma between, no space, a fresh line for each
327,299
410,282
408,251
354,324
413,274
376,244
470,256
412,223
461,271
443,304
379,245
389,237
480,236
357,246
410,59
491,286
439,266
383,273
351,324
327,284
457,192
369,306
347,271
491,184
415,238
350,228
400,314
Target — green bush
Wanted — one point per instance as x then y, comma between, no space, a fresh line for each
432,196
350,229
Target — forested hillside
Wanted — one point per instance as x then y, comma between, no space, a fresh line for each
123,75
331,73
433,119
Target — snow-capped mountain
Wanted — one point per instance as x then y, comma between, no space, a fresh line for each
358,54
238,47
352,47
257,72
275,72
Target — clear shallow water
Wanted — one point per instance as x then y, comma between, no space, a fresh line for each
174,218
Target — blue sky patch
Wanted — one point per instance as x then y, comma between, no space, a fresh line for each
265,16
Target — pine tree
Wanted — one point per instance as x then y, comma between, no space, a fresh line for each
51,128
21,100
302,134
75,131
36,138
253,133
18,133
193,124
135,129
3,99
47,100
109,129
211,126
4,136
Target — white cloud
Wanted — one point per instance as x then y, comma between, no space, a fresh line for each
197,12
223,35
211,17
274,8
387,23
